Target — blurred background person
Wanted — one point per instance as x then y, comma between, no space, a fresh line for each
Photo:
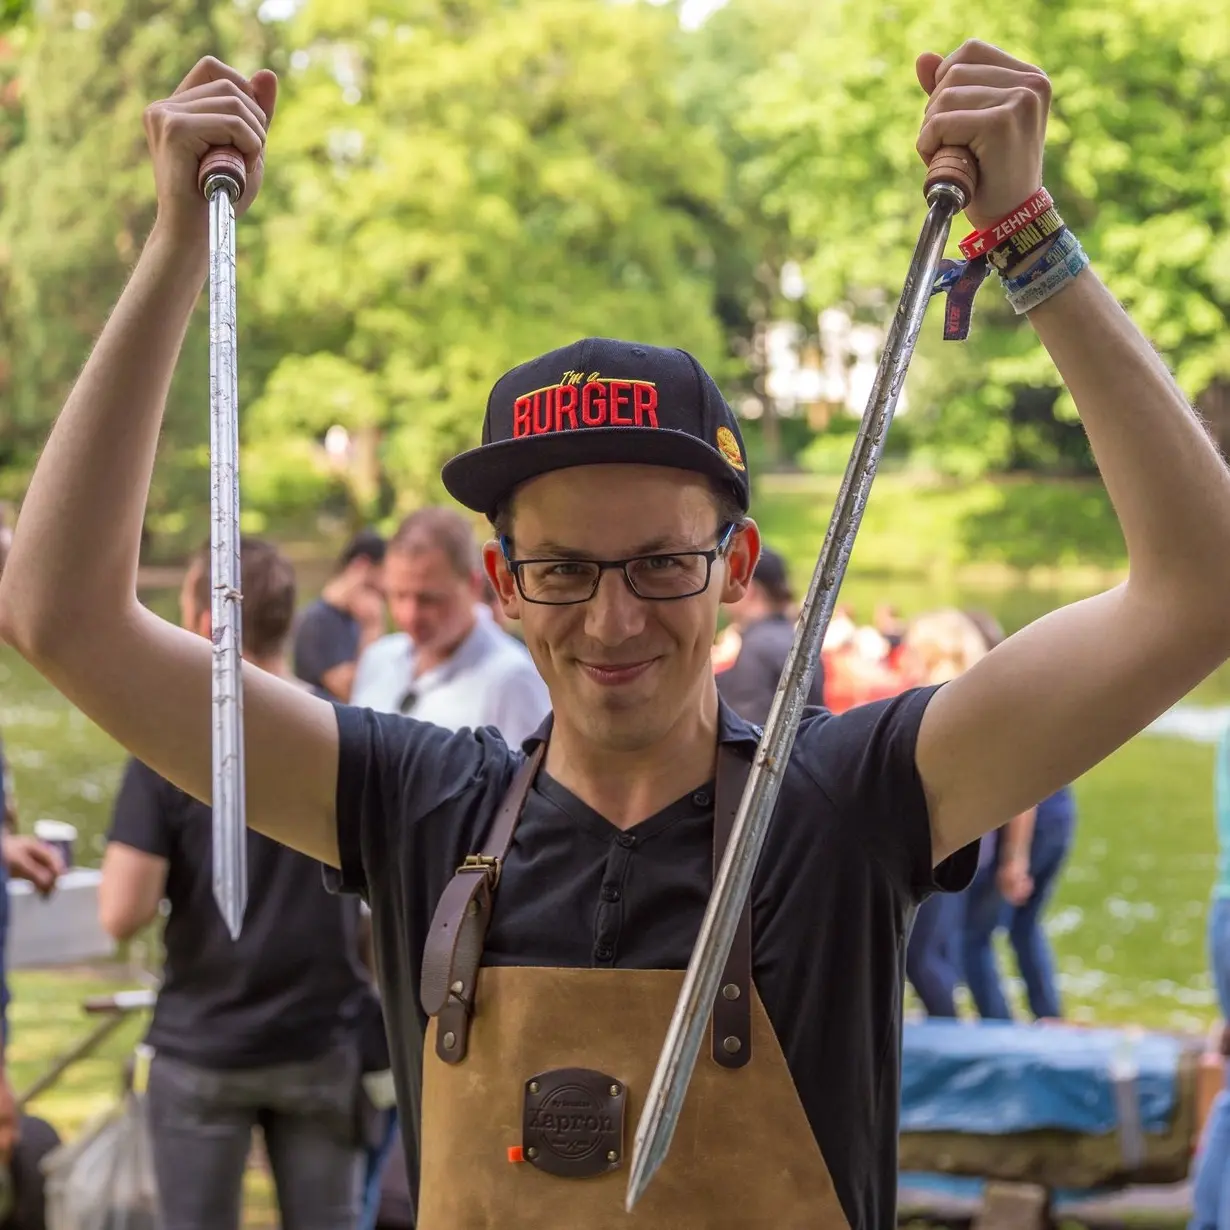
349,615
490,606
764,621
1211,1178
266,1030
24,1139
1018,868
937,647
446,663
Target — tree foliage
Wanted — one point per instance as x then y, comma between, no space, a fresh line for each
1138,160
456,185
454,188
78,203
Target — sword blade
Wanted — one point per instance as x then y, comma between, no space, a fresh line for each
230,849
733,882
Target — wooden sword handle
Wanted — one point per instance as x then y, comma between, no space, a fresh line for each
224,160
953,164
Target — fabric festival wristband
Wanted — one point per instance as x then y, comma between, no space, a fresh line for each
959,281
1021,246
979,243
1060,248
1045,287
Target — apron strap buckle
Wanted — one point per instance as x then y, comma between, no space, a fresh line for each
483,862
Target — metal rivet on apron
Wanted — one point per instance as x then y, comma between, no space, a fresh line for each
531,1152
731,1045
450,1040
614,1091
612,1156
457,987
731,990
533,1086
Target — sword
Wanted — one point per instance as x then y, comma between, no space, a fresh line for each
222,178
950,186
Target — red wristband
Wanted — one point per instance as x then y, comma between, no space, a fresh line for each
978,243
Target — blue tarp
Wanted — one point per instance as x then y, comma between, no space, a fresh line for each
994,1078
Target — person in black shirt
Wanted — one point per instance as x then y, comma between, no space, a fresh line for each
332,632
615,479
764,617
265,1030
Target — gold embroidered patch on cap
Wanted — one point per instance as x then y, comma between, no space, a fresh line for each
728,446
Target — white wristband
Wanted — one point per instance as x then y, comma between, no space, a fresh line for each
1029,297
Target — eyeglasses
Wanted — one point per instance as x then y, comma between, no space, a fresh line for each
656,578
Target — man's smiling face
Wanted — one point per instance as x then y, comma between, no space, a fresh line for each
622,671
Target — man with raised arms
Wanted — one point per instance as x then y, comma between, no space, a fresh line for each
615,543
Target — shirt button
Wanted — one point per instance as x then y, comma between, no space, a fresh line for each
610,892
603,952
701,799
626,840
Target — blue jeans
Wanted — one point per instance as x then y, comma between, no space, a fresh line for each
931,959
374,1160
986,911
1211,1185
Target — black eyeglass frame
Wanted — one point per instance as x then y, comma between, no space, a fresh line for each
604,565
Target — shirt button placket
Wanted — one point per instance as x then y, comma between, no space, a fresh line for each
609,914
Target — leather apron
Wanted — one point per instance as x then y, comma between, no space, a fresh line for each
534,1079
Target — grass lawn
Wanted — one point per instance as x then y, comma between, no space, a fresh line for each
1128,920
46,1020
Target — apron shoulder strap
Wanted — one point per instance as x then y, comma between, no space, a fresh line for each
454,948
732,1009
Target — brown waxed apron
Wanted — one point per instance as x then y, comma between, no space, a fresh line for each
534,1079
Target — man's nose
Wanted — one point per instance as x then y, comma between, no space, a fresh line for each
614,614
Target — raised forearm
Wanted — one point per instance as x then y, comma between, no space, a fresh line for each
1164,475
76,548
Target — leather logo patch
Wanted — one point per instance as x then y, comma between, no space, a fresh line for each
573,1122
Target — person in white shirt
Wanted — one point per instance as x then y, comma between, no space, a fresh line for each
450,663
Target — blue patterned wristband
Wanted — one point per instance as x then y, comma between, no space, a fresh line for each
1056,253
1049,283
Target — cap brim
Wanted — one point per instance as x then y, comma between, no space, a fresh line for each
482,477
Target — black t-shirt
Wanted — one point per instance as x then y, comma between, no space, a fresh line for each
846,860
325,637
749,684
290,987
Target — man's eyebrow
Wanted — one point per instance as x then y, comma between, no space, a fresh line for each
559,550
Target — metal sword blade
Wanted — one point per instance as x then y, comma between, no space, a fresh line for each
688,1025
230,848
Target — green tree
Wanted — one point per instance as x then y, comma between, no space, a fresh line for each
454,187
78,201
1138,160
722,61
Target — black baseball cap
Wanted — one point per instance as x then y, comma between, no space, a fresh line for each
595,402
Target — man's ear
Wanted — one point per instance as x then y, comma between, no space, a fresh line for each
502,580
741,557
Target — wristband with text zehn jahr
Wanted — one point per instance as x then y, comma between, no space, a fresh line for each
980,243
